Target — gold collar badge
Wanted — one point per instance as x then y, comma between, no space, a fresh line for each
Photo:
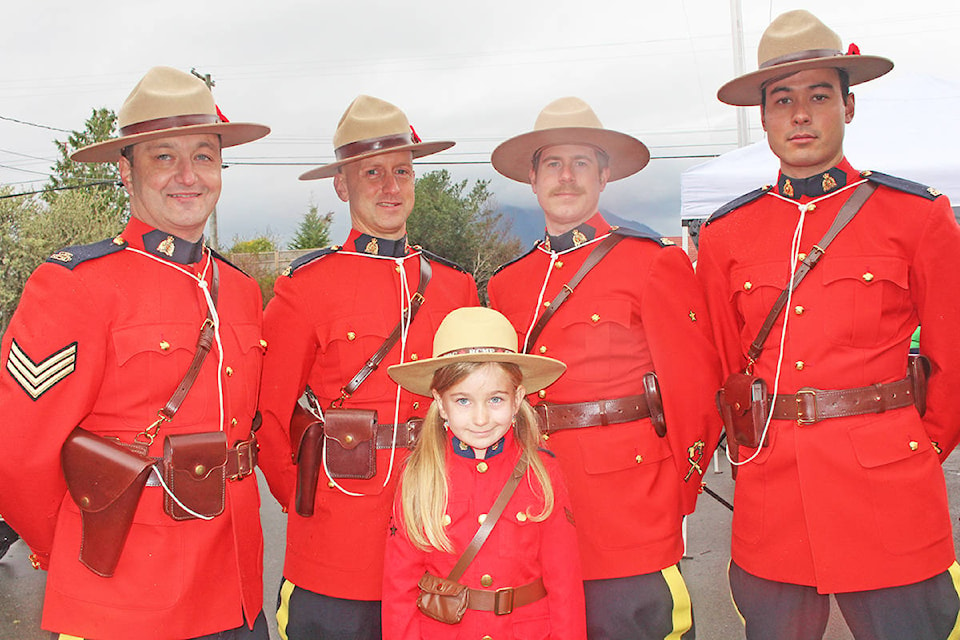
167,246
828,184
372,247
578,238
788,188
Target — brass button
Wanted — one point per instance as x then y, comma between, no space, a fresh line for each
199,470
481,518
542,393
801,257
331,484
447,519
118,240
558,264
229,372
546,437
351,335
798,310
487,638
486,580
799,365
397,268
521,516
85,501
639,458
867,277
811,207
164,345
416,405
547,303
482,466
595,317
233,422
263,343
914,445
414,357
747,285
348,439
543,349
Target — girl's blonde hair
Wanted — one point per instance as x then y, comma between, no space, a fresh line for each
424,484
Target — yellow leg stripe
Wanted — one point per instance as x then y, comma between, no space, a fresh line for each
283,612
682,609
64,636
743,620
955,575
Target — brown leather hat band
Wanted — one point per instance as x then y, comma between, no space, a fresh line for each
171,122
796,56
373,144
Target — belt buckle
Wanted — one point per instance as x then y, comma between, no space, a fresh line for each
245,460
804,412
502,607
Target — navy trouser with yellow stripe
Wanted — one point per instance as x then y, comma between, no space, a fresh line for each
653,606
928,610
305,615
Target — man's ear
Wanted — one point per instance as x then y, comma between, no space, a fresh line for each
340,186
126,172
848,108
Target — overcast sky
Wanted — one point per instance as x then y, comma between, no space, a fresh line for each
474,72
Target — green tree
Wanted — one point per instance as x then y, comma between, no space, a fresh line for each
260,244
313,231
100,126
258,258
463,226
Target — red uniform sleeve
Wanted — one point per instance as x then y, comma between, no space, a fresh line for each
677,324
52,364
935,288
405,565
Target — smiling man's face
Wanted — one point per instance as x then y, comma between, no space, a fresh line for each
380,191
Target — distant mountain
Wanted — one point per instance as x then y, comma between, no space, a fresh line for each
528,222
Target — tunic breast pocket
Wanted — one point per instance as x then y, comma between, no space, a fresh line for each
345,344
151,361
754,289
592,328
243,369
867,299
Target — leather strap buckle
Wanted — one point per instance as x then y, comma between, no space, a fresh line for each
246,459
806,406
503,601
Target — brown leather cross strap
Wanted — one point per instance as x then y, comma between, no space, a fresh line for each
556,417
505,600
492,516
426,271
596,255
204,344
808,405
845,215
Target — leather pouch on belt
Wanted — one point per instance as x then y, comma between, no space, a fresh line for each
350,443
105,479
442,599
651,392
306,434
744,406
195,468
918,370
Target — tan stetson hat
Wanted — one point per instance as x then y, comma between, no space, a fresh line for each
370,126
168,102
569,121
476,334
796,41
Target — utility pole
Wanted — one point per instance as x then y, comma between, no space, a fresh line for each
214,227
736,27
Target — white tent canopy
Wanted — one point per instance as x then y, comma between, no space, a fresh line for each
905,125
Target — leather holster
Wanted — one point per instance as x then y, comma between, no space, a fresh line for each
306,436
744,405
105,480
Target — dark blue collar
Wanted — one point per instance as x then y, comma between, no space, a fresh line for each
466,451
170,247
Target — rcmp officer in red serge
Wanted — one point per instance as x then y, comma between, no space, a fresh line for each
333,311
102,337
632,451
847,496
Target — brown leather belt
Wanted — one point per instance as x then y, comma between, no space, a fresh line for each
556,417
809,405
242,459
407,433
504,601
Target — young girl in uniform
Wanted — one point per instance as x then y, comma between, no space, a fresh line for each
475,432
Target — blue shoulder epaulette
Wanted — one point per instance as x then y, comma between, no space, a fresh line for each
307,258
627,232
219,256
435,258
737,203
518,258
70,257
900,184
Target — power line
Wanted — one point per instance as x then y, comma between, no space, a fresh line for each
73,186
34,124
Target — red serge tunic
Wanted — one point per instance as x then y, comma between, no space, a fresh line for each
101,339
855,503
517,552
333,312
640,309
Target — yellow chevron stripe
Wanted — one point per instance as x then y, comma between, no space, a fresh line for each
37,378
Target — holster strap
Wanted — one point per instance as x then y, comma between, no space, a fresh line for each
809,405
505,600
556,417
407,433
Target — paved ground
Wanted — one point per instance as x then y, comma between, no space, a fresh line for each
21,588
